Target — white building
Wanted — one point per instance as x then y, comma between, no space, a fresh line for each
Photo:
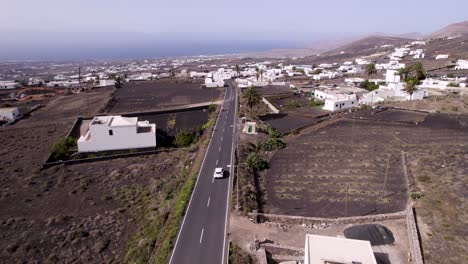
339,98
362,62
103,83
461,65
324,249
117,132
341,103
441,57
9,85
394,90
9,114
418,42
67,84
210,83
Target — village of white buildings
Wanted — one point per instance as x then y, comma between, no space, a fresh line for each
344,93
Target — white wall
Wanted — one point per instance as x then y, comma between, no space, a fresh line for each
9,114
334,105
124,137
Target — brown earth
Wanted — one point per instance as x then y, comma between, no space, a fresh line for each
86,213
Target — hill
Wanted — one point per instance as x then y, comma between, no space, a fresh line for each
369,43
453,30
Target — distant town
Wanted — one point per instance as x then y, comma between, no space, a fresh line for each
356,154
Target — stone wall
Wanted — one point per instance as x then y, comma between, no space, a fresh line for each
270,105
413,237
300,220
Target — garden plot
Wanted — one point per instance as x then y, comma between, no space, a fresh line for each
332,174
147,96
390,115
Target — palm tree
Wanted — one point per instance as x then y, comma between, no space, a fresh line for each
238,70
411,87
404,73
371,70
252,98
418,71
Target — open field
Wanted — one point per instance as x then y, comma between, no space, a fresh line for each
154,95
450,103
68,107
101,212
331,173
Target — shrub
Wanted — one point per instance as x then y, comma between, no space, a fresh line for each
272,132
455,109
453,84
424,178
293,104
62,147
270,144
416,195
316,103
211,107
185,138
369,86
255,163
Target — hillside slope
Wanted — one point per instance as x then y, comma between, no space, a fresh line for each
453,30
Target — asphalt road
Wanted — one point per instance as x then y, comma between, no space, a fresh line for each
202,237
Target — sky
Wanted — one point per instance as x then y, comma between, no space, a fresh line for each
261,23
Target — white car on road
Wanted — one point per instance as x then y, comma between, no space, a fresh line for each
218,173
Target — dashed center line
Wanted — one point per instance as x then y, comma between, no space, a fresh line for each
219,149
208,204
217,162
201,236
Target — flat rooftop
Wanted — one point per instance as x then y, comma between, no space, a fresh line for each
336,250
114,121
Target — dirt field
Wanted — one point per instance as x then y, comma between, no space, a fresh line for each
439,164
88,213
318,172
171,123
67,107
451,104
147,96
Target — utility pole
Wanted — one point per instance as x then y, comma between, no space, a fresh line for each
346,206
352,132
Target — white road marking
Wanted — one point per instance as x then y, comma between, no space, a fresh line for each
216,162
219,149
201,236
208,204
212,181
222,138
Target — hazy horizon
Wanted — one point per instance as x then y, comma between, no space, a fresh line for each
63,30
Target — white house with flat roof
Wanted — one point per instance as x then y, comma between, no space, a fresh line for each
9,85
336,250
461,65
9,114
117,132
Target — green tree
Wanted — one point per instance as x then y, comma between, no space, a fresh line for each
403,73
185,138
411,86
255,163
61,149
252,98
418,71
238,70
371,70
